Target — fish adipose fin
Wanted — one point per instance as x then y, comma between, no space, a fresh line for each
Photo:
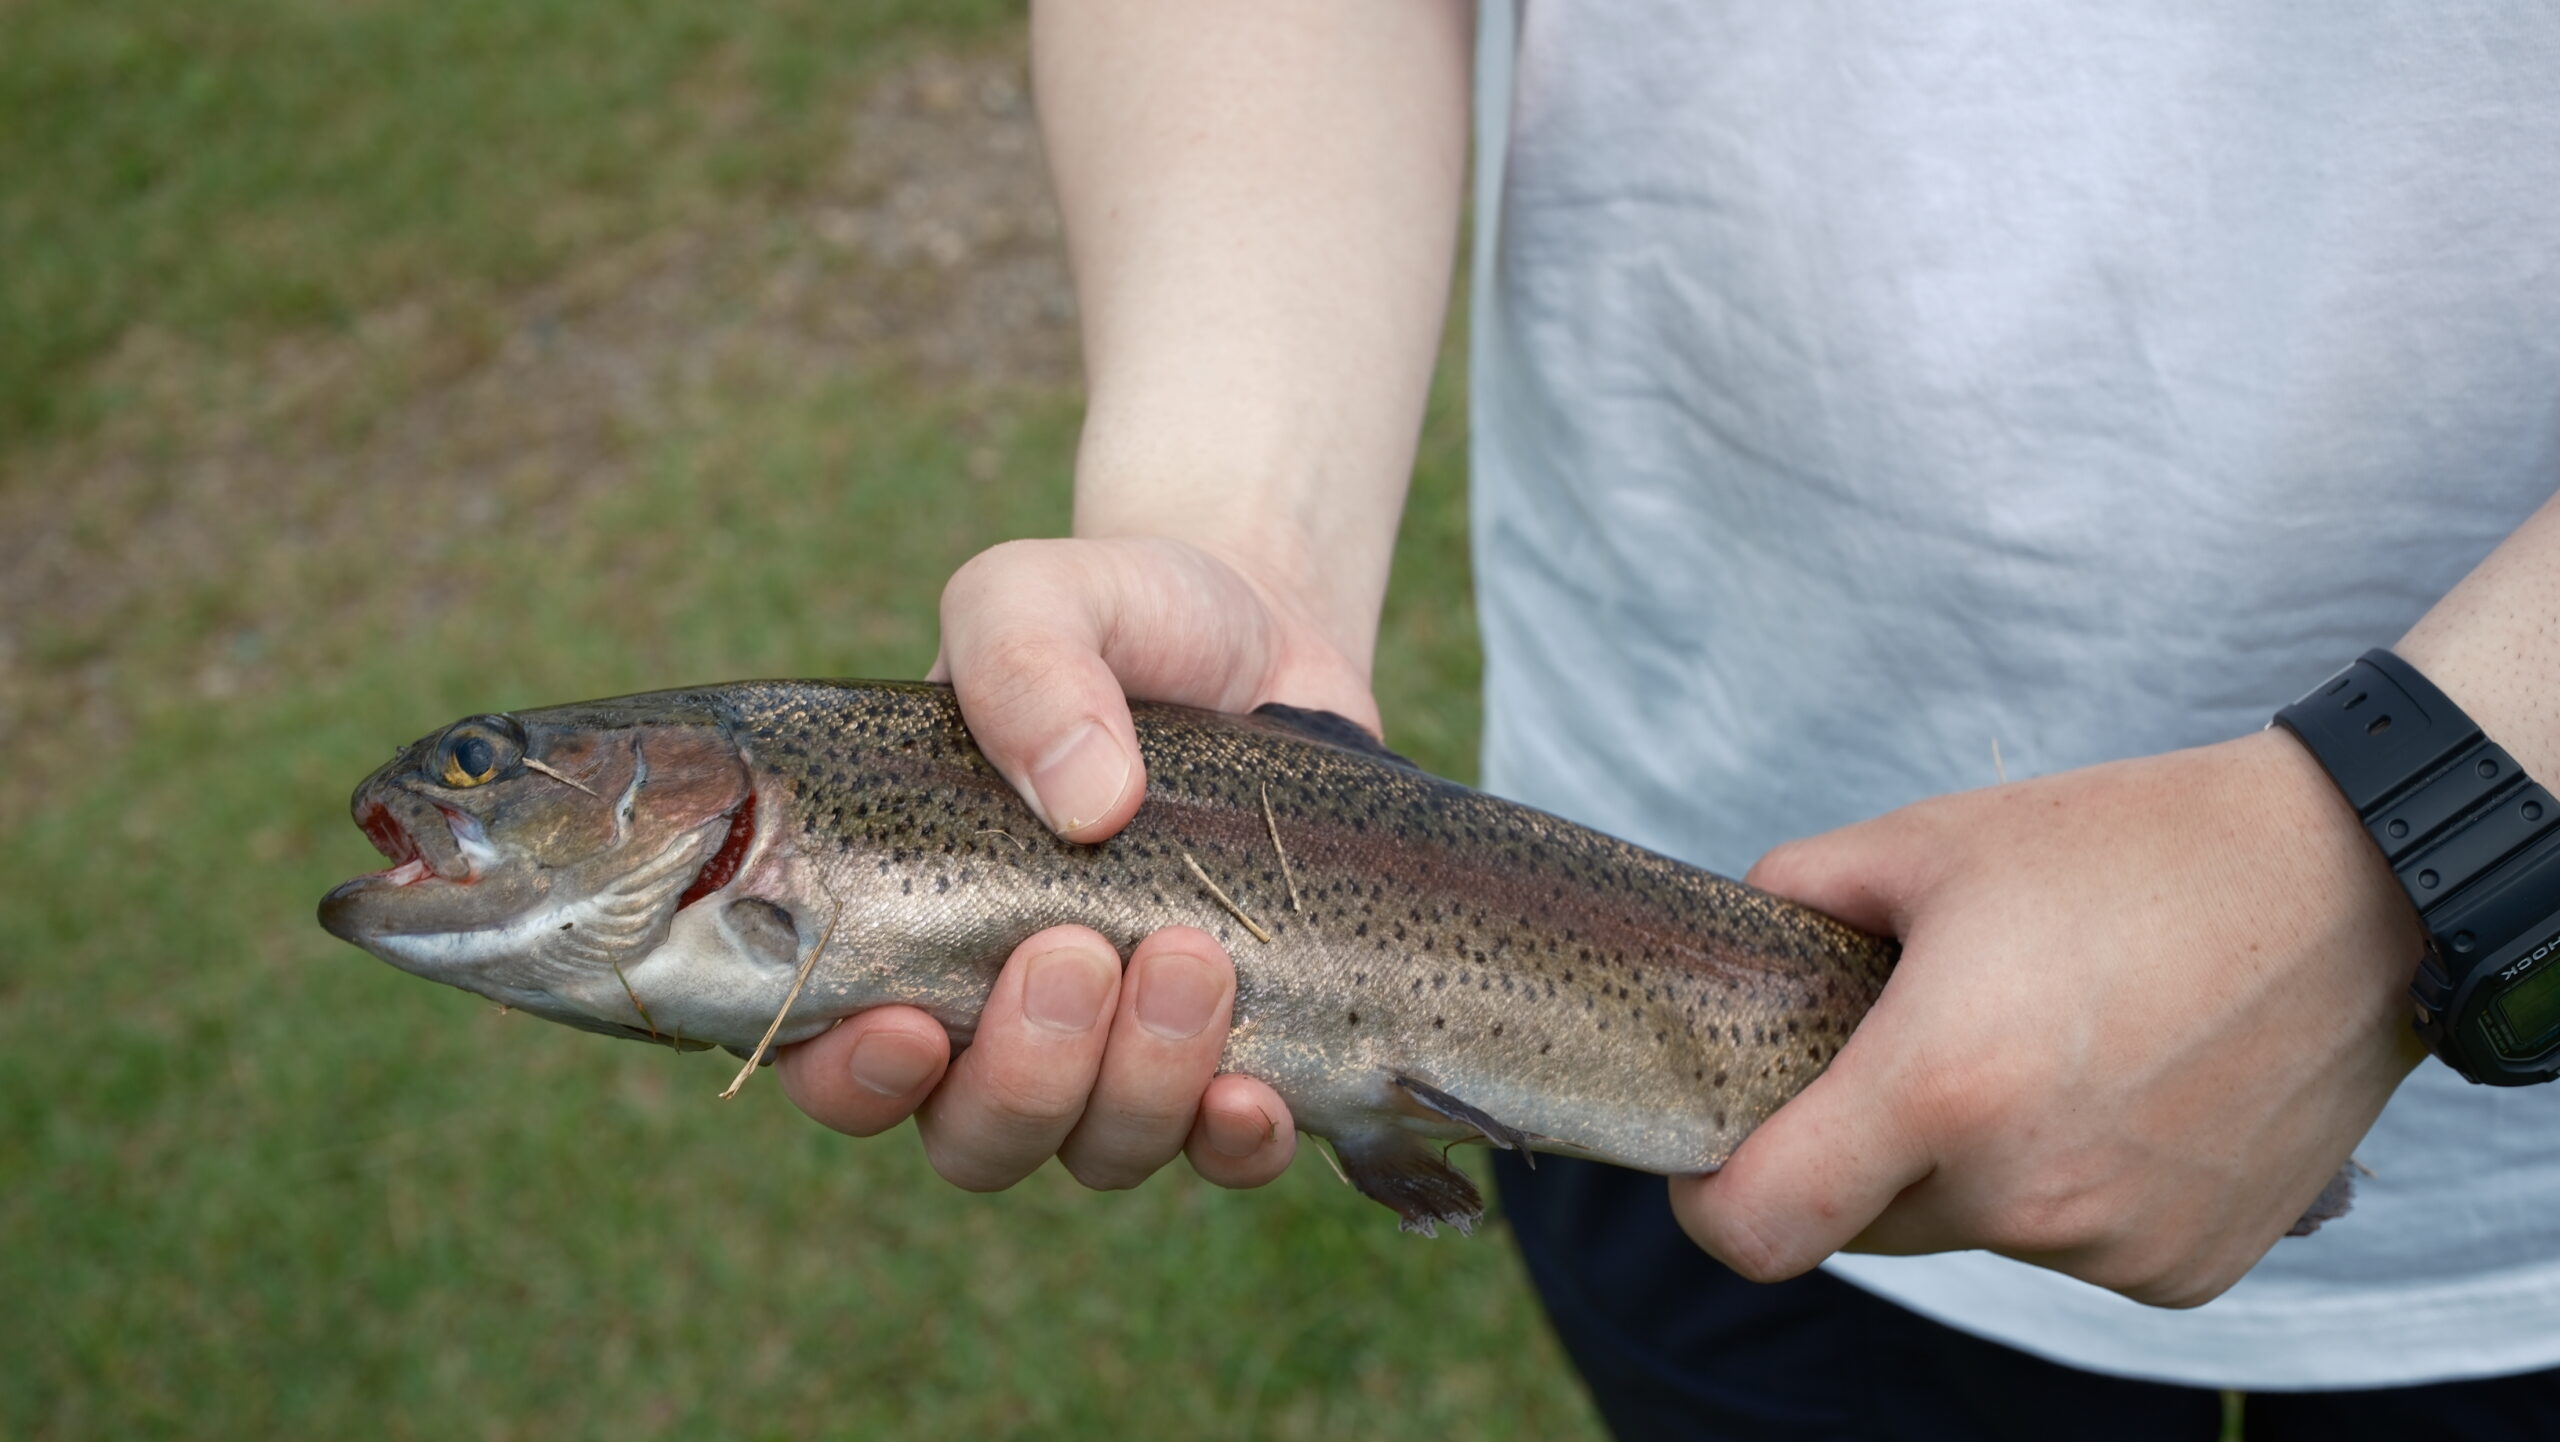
1424,1099
1406,1172
1331,728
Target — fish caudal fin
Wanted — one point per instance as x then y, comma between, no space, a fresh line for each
1407,1172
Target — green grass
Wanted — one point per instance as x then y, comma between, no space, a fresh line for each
219,171
253,1183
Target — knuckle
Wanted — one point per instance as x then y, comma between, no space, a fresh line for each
1103,1169
1736,1239
994,571
1982,1097
2063,1210
2146,1275
1029,1101
970,1170
852,1120
1753,1260
1787,866
1151,1118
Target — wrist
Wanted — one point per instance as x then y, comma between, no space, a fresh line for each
2473,841
2316,842
1320,575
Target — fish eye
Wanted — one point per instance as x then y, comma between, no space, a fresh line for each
473,757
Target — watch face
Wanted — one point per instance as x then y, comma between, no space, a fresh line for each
2523,1021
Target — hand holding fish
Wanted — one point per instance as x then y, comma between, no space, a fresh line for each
1114,1074
2143,1012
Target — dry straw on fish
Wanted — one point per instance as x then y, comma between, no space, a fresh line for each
635,1000
790,999
1227,901
1274,823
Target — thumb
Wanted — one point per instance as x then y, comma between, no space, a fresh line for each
1807,1182
1022,646
1866,875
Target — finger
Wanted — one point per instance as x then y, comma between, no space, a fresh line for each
1807,1183
1175,1001
867,1074
1022,642
1015,1094
1244,1136
1866,875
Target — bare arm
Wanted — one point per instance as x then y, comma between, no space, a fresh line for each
2144,1010
1261,203
2493,644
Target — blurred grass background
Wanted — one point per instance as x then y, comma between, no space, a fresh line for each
362,365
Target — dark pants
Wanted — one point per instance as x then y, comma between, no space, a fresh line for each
1675,1346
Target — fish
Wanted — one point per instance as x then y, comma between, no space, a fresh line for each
1418,964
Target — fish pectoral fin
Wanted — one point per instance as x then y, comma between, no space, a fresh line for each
1404,1171
1421,1098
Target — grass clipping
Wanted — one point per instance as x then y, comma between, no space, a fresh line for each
790,999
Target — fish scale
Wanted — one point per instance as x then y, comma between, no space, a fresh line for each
1457,966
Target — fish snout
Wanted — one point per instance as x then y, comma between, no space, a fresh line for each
411,830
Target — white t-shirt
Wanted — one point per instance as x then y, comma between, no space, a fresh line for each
1860,386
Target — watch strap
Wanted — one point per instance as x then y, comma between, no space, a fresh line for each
2474,841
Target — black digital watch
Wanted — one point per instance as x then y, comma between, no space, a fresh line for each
2475,843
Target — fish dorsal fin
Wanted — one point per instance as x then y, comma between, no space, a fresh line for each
1331,728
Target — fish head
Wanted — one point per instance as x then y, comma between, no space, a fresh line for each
536,857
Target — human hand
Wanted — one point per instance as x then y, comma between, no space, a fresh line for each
1112,1073
2144,1011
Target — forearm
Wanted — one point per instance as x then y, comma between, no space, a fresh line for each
2493,644
1261,205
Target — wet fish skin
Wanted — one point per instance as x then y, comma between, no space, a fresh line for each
1456,967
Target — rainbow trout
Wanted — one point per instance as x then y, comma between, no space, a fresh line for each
1440,966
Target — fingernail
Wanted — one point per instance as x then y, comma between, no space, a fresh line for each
1080,779
891,1063
1178,994
1231,1135
1065,991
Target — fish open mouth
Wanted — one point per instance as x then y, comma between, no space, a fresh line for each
408,865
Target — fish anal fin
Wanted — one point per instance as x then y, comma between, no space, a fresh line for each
1421,1098
1406,1173
1330,727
